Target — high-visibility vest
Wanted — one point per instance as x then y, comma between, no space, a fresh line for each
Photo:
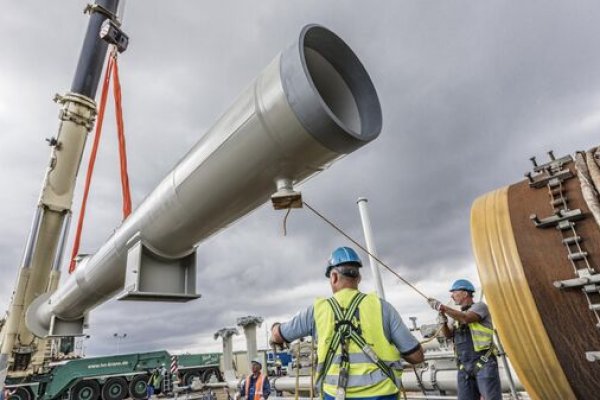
365,379
482,336
258,387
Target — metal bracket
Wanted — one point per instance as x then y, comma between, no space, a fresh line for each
556,219
113,34
554,163
92,8
543,179
286,197
72,111
592,356
585,278
552,170
153,276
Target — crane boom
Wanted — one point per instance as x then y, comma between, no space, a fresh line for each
21,352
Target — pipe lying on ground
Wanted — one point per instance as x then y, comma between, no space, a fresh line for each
312,105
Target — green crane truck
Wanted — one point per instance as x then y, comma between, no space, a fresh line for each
112,377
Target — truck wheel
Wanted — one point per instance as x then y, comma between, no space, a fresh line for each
86,390
189,376
137,387
114,389
21,393
208,374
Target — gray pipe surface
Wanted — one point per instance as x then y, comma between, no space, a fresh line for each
313,104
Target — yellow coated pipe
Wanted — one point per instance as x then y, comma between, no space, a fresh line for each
511,302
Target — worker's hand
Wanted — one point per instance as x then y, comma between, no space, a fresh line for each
442,319
435,304
276,341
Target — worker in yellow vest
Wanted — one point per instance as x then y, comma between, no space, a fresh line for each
361,338
256,386
473,335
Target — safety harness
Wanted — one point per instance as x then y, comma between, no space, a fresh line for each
479,364
346,330
482,339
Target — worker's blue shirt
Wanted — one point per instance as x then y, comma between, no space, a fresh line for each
252,387
394,329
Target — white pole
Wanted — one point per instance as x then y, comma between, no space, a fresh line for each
366,223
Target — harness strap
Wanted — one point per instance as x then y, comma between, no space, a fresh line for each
360,341
345,328
337,336
480,363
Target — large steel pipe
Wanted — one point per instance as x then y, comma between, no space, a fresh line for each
313,104
532,240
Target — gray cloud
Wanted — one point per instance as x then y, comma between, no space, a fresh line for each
469,92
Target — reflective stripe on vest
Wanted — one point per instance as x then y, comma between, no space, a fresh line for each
356,358
365,377
482,336
355,381
258,387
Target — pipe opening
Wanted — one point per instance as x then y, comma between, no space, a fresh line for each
342,82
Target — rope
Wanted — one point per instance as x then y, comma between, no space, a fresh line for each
419,381
91,164
297,386
121,135
112,67
287,214
334,226
312,366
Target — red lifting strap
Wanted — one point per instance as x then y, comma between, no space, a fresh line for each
111,67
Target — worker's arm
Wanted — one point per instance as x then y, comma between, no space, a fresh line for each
301,325
266,388
242,392
416,356
447,329
397,333
464,317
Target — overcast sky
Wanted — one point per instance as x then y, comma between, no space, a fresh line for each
469,90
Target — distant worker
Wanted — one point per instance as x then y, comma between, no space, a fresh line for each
361,338
278,370
473,335
256,386
154,382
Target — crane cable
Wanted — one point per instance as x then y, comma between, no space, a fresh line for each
111,68
365,250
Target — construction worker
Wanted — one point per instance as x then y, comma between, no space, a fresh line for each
473,335
153,385
256,386
361,338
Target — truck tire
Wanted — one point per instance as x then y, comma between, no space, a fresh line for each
208,374
21,393
137,387
86,390
189,376
115,389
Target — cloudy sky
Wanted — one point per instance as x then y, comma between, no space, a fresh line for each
469,91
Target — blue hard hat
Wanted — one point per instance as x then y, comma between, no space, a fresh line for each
462,284
342,256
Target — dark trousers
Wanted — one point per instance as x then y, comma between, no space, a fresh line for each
486,383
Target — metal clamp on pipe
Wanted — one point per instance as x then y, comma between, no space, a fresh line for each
286,197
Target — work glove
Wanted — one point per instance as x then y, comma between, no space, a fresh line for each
435,304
